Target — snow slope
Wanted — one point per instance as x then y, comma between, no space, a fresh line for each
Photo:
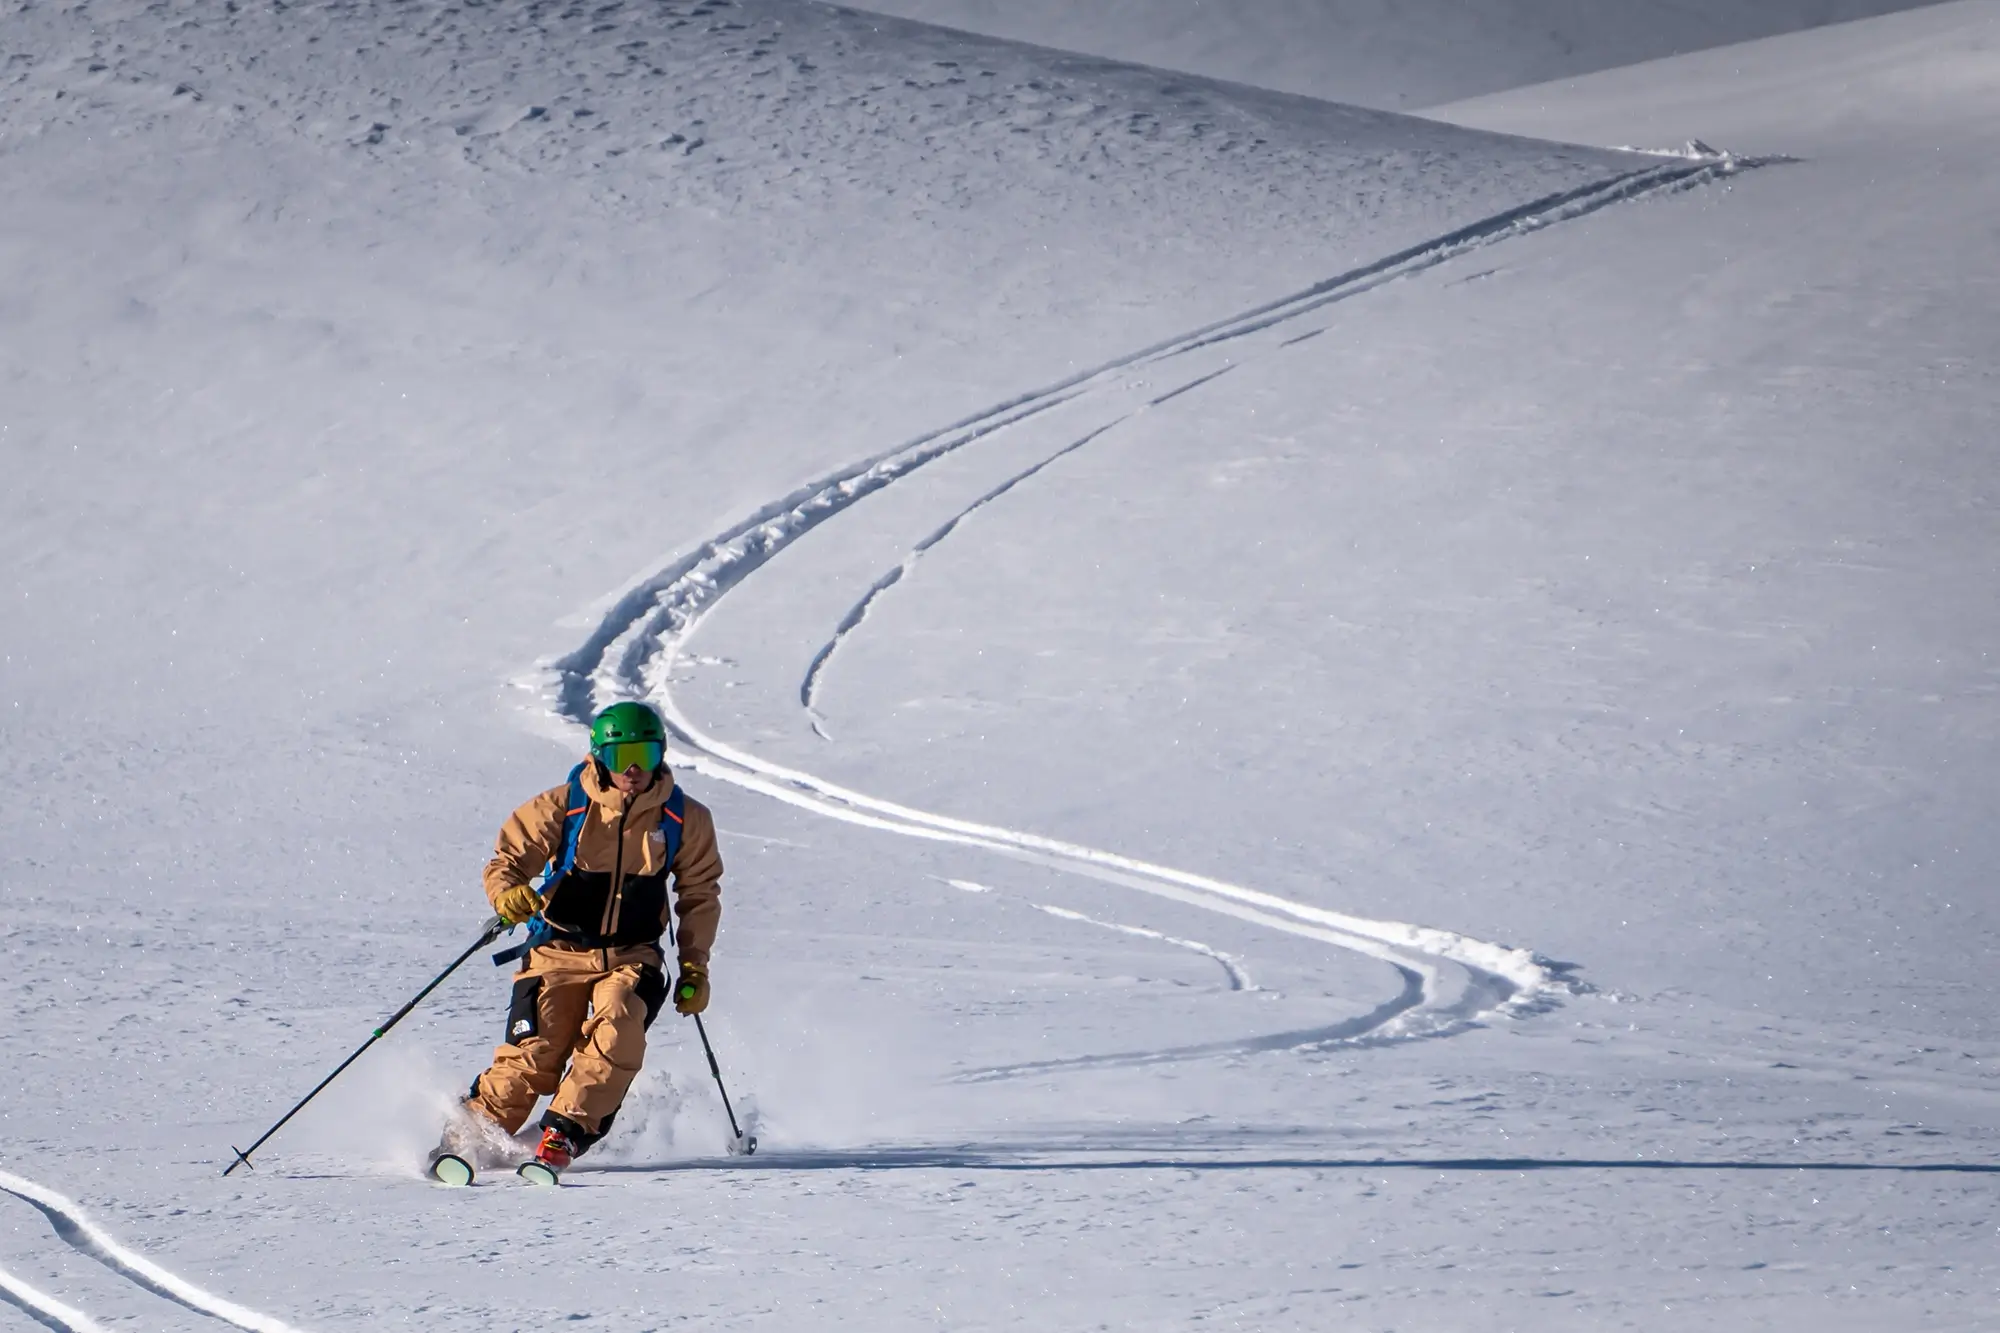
1411,53
1386,556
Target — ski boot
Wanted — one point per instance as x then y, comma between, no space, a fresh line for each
551,1159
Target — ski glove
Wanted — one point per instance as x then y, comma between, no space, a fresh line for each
691,991
518,904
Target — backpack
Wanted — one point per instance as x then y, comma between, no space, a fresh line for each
575,810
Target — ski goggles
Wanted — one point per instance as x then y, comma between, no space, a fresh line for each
624,756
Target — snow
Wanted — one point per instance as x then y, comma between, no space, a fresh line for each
1400,55
1434,690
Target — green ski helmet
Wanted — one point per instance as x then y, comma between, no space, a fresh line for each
629,735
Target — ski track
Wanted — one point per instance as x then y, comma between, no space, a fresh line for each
809,689
45,1309
1239,978
75,1229
1450,981
1374,1027
1533,217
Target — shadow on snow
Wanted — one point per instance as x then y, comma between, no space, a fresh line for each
959,1159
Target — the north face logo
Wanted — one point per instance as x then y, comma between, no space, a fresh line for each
522,1025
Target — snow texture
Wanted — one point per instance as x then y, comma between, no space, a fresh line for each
1436,690
1396,54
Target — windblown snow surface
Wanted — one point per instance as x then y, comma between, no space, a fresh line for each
1396,54
1319,720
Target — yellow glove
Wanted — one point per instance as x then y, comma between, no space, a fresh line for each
518,904
691,991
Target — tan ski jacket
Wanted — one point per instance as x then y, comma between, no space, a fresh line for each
616,893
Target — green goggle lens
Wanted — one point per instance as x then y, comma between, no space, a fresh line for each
624,756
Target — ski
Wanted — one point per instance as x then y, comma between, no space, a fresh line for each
537,1172
448,1168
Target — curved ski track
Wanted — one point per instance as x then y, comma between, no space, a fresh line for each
75,1229
1231,966
1449,980
45,1309
809,688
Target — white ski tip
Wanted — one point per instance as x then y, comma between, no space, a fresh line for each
450,1169
538,1173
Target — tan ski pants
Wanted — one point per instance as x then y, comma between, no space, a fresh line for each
587,1009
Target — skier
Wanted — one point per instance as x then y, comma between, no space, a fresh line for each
592,975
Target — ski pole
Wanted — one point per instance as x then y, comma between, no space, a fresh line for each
495,928
748,1142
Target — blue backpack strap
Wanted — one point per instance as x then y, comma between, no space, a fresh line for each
574,813
673,822
575,810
